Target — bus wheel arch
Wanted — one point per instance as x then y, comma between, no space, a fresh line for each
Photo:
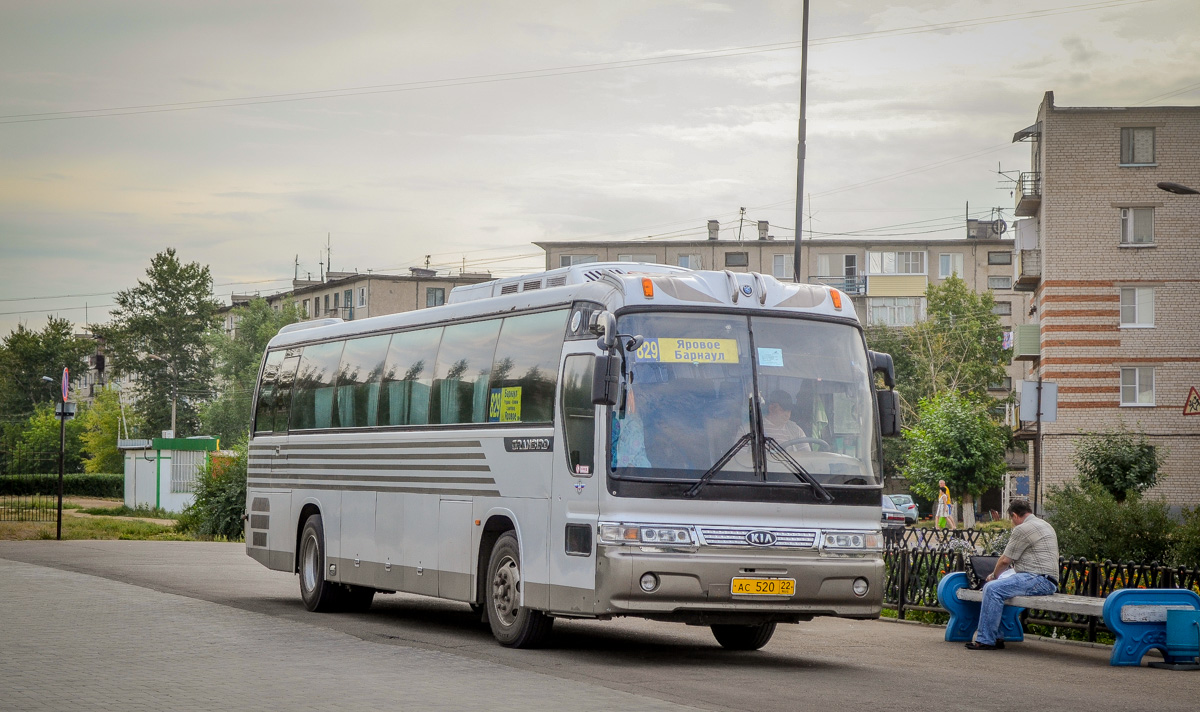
307,511
496,525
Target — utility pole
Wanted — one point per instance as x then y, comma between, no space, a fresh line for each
741,219
1037,449
801,147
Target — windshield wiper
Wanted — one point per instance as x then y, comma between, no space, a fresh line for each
801,474
720,463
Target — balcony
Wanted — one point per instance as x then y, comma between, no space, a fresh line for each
1027,342
1029,194
854,286
1027,270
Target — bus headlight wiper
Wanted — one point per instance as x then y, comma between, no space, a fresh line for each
781,455
720,463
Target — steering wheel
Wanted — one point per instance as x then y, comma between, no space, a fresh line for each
802,441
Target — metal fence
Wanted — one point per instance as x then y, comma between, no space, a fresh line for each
917,559
25,494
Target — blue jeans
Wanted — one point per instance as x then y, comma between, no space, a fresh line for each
994,595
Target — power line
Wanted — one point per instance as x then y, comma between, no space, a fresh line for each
549,72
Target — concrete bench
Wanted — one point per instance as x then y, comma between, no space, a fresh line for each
1136,616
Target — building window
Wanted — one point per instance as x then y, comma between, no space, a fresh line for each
362,296
837,265
691,261
1137,226
327,304
637,257
435,296
895,311
569,260
304,309
999,282
781,267
999,258
1005,384
737,259
1137,306
950,263
1137,146
1137,386
896,263
336,306
1002,308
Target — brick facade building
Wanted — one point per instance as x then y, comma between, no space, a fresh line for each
1113,264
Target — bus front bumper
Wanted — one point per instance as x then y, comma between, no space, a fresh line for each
697,586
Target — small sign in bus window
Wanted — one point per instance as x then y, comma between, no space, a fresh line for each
505,405
689,350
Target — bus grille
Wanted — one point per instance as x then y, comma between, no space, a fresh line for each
736,536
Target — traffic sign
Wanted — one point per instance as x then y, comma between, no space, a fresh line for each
1192,406
66,383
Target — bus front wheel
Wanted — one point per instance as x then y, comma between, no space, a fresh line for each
513,625
743,637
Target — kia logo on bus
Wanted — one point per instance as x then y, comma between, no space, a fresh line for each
760,537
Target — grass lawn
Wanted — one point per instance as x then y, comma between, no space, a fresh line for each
103,523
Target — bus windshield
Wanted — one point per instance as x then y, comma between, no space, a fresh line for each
690,395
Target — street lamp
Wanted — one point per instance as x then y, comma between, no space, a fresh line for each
1177,188
174,387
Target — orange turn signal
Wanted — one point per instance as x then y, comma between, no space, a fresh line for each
837,299
647,288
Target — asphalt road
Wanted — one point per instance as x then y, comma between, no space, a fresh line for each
78,618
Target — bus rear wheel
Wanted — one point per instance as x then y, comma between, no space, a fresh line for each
743,637
318,594
513,625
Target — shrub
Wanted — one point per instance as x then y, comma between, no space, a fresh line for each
1091,523
1185,549
78,485
1121,462
220,499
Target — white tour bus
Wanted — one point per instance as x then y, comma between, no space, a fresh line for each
594,441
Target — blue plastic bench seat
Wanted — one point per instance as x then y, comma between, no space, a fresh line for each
1136,616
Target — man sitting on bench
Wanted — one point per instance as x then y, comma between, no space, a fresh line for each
1032,554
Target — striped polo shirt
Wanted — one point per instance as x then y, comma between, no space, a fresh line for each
1033,547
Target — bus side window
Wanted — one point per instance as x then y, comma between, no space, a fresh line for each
267,393
524,369
578,414
313,397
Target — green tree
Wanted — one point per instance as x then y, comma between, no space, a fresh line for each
957,441
102,428
1120,462
167,315
26,356
39,442
238,359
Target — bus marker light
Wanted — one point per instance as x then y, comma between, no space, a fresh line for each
647,288
476,522
837,299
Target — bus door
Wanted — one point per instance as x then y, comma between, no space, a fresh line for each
575,487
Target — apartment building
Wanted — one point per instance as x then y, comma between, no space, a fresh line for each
351,295
886,278
1113,265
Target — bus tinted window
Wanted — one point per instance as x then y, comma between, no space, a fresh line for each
578,414
313,397
525,368
464,363
358,381
408,378
264,412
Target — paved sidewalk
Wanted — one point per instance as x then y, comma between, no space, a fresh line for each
71,641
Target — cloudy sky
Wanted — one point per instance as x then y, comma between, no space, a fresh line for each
242,134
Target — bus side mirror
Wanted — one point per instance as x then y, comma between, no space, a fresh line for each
882,363
889,413
604,325
605,378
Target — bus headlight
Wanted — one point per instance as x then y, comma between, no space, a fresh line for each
646,534
850,543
